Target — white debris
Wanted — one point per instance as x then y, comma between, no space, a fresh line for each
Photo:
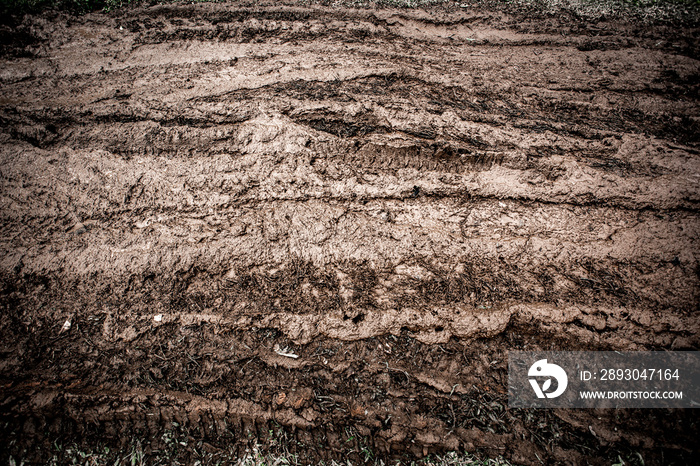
66,326
158,318
286,352
501,204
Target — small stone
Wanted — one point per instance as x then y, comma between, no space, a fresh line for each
386,216
158,318
78,229
238,229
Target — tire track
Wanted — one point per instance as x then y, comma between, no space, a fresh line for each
396,198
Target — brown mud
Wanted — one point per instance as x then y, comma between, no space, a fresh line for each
397,197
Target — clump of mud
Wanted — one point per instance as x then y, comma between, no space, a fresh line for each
330,226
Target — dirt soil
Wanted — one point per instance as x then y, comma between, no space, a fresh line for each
396,197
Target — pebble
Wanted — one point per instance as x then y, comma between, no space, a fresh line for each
78,229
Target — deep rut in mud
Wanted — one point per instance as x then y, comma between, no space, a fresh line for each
397,198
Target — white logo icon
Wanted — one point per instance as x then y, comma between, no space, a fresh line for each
542,369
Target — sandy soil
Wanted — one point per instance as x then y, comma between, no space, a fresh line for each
397,197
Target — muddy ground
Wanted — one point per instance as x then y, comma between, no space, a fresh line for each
397,197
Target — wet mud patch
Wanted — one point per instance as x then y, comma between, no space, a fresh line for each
388,395
320,230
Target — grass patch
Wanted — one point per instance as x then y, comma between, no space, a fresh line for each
18,7
395,3
180,445
180,450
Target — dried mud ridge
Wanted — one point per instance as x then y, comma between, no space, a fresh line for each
398,198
